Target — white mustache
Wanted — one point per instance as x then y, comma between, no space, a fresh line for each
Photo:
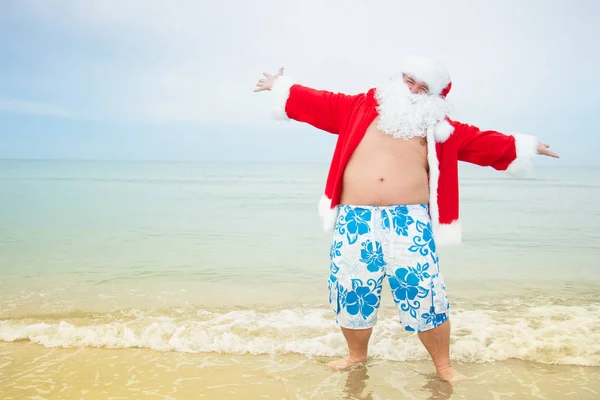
405,114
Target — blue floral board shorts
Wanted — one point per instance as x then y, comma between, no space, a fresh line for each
371,243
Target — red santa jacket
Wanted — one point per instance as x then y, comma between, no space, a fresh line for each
449,142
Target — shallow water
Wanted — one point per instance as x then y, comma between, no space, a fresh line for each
180,262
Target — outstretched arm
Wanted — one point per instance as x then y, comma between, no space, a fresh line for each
511,153
320,108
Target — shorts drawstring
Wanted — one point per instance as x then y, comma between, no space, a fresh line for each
372,224
373,238
391,227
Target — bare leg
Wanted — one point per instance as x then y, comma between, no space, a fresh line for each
437,343
358,344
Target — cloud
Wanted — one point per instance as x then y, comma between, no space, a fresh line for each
33,108
189,61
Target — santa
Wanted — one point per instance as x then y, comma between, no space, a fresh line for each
392,195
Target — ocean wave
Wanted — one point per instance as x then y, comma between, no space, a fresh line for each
568,335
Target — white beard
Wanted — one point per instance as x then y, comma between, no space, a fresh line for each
406,115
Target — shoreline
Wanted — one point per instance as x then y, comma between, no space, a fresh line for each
30,370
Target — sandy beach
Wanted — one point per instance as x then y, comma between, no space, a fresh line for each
31,371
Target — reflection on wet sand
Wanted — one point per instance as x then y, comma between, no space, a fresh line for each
356,383
356,386
438,389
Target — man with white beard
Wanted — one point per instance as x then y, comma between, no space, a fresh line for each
391,196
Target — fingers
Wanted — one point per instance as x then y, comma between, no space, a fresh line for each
279,73
262,84
544,151
261,88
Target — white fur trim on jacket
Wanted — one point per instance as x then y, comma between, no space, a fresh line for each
434,176
526,151
443,130
447,234
443,234
280,94
328,215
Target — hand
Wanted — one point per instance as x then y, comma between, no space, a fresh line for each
267,84
543,150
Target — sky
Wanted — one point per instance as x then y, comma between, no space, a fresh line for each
174,80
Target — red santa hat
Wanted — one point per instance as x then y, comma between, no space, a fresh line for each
429,71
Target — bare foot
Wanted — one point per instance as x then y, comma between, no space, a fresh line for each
345,363
449,374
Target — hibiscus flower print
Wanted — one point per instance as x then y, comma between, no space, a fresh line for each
372,255
354,223
400,220
424,243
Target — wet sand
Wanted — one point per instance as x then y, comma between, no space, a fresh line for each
31,371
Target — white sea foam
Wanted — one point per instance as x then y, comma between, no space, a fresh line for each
550,334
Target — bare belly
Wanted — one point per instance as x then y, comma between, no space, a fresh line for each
386,171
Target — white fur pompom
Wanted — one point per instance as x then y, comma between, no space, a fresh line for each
443,130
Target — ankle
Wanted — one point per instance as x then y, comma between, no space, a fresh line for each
444,368
356,359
